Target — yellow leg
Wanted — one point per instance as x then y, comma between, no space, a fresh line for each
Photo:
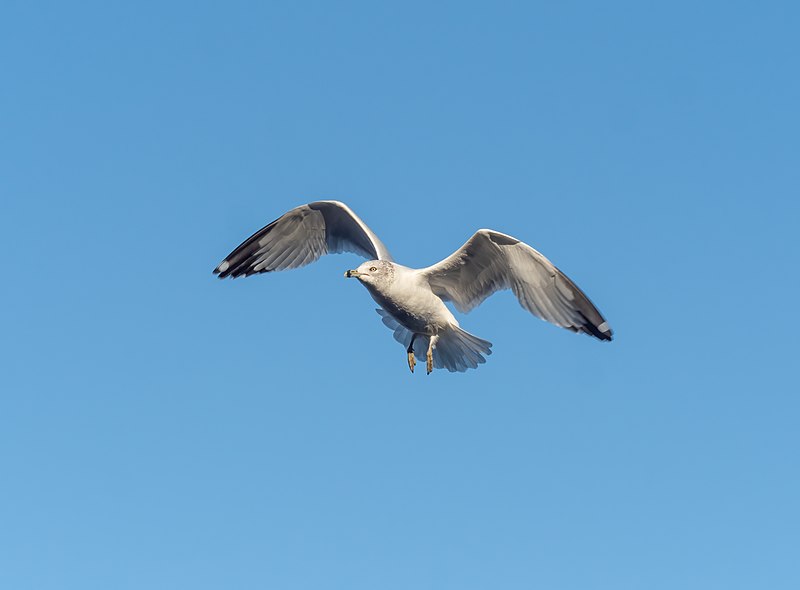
431,346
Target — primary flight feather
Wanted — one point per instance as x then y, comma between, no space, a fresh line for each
412,300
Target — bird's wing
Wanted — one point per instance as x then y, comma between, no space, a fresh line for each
300,237
491,261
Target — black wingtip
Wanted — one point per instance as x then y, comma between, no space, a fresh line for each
223,269
605,332
602,331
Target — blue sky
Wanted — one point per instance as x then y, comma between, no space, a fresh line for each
163,429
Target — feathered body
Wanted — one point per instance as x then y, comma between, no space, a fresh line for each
409,307
405,295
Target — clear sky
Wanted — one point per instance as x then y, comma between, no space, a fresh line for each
162,429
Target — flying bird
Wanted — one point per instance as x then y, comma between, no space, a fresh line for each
412,300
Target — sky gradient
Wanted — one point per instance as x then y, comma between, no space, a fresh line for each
164,429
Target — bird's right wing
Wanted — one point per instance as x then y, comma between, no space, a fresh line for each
300,237
491,261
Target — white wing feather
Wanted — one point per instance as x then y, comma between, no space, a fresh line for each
491,261
300,237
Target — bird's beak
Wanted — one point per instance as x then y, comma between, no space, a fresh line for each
351,273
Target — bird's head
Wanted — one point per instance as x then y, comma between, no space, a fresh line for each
373,272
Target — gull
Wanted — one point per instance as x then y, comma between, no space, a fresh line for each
412,300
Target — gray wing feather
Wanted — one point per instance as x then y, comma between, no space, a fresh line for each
300,237
491,262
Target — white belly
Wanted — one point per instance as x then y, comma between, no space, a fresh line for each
415,307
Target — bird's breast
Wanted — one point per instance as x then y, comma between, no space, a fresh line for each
415,307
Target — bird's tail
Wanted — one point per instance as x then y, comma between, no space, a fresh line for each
456,350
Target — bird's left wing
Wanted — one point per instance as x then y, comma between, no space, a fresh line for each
491,261
300,237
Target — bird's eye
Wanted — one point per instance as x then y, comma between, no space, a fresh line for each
373,268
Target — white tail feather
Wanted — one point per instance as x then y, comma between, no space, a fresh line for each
456,350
